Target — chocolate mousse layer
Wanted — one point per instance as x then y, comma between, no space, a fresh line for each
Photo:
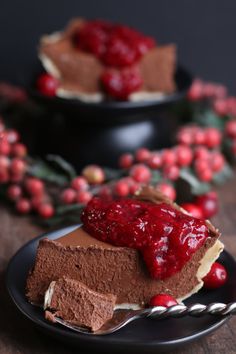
75,303
116,270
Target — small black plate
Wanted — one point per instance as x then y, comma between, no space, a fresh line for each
183,81
141,336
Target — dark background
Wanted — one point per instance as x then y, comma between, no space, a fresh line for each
203,30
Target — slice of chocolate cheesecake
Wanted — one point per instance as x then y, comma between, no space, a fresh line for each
75,303
120,271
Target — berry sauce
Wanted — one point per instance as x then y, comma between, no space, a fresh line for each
166,237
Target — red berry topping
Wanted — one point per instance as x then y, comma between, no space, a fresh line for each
46,210
208,203
167,189
141,173
34,186
164,300
79,183
120,84
216,277
47,85
119,52
193,209
94,174
142,155
23,206
126,160
14,192
166,237
230,128
68,196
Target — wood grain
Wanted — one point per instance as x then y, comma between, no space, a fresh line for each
18,336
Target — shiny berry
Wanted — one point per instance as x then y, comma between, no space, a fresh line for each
155,160
46,210
220,107
171,172
134,187
121,188
216,277
4,162
141,173
195,92
167,189
68,196
18,150
213,137
4,176
217,161
94,174
199,137
230,128
83,197
142,155
5,147
205,175
14,192
119,53
185,137
208,204
201,152
184,155
168,157
79,183
13,136
193,209
126,160
34,186
47,85
18,166
23,206
164,300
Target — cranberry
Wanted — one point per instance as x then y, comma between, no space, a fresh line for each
14,192
195,92
155,160
230,128
141,173
199,137
213,137
185,136
34,186
47,85
23,206
19,150
217,161
168,157
79,183
142,155
162,234
13,136
18,166
46,210
94,174
208,204
184,155
205,175
171,172
4,162
164,300
216,277
120,84
201,152
167,189
193,209
134,187
122,188
220,107
201,165
119,53
68,196
83,197
126,160
5,147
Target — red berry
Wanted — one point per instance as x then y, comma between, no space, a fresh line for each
167,189
184,155
4,176
34,186
213,137
201,152
220,107
217,161
185,137
230,128
37,201
19,150
47,85
142,155
155,160
141,173
105,192
14,192
216,277
79,184
83,197
5,147
4,162
168,157
68,196
208,204
195,92
205,175
122,188
126,160
23,206
231,104
18,166
199,137
171,172
208,89
164,300
46,210
220,91
134,187
119,53
94,174
13,136
193,209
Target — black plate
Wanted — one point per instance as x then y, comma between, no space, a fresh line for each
183,81
141,336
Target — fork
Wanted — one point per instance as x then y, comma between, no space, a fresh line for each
122,317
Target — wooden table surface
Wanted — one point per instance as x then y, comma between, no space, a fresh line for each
19,336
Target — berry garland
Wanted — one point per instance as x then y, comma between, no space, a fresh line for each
199,161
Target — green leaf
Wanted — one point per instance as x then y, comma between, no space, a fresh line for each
63,209
156,177
197,187
113,174
222,176
62,165
208,118
45,171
